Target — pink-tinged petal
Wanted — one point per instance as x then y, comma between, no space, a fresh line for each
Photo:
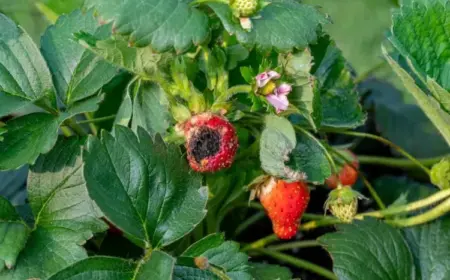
273,75
246,23
262,79
283,89
280,102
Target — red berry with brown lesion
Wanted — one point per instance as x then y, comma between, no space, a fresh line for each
211,142
348,173
285,204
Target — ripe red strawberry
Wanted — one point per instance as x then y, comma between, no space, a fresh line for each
211,142
348,174
285,204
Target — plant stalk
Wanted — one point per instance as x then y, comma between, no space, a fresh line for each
294,245
398,162
78,129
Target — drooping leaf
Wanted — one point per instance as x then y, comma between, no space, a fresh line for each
158,266
222,254
419,33
144,61
370,248
151,109
26,138
282,25
23,71
77,73
431,108
174,24
430,246
144,187
125,112
277,141
261,271
13,234
340,101
309,157
65,215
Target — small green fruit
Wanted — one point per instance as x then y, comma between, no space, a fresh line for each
244,8
343,203
440,174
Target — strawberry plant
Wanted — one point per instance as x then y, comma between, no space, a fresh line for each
221,139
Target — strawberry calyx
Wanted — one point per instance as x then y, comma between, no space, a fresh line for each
343,203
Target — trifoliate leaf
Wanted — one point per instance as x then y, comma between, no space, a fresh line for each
77,73
164,25
282,25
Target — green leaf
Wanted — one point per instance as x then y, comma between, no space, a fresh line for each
10,104
144,187
174,24
23,71
235,54
90,104
151,109
430,245
370,248
277,141
340,102
304,96
57,191
77,72
99,268
282,25
26,138
144,62
219,253
65,216
431,108
261,271
125,112
419,33
13,234
159,266
309,157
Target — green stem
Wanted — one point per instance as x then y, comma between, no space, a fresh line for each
398,162
89,119
372,191
408,207
239,89
219,273
66,131
384,141
294,245
75,127
319,223
197,2
327,154
250,221
428,216
261,243
299,263
97,120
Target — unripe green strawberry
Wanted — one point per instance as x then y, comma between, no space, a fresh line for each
343,204
244,8
440,174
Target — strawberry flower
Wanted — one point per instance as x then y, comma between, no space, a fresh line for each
275,95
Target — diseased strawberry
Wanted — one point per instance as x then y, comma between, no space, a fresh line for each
348,174
285,204
211,142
